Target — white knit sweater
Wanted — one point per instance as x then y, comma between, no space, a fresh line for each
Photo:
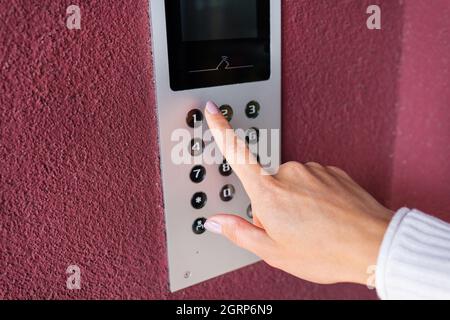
414,259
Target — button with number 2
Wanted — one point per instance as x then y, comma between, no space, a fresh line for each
227,111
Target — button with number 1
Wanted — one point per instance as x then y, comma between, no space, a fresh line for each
194,118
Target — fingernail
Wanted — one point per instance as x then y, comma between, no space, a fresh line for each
212,108
213,227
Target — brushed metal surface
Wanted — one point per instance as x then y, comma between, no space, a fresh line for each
196,258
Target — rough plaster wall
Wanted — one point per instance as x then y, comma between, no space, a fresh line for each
79,170
422,167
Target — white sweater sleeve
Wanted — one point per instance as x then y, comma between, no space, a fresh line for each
414,259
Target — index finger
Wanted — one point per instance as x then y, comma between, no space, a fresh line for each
243,162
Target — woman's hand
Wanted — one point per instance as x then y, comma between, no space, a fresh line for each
312,221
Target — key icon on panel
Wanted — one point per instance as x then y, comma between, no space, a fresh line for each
199,226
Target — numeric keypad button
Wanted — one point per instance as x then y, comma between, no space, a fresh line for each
252,136
252,109
196,146
227,111
249,211
198,200
194,118
227,193
198,227
225,169
197,174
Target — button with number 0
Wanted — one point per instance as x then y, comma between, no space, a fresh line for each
252,109
227,111
227,193
197,174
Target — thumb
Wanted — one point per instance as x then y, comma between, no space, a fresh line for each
242,233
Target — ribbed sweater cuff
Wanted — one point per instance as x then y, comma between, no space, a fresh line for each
414,259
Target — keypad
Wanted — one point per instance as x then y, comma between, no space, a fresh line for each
198,174
227,111
252,109
194,118
198,227
198,200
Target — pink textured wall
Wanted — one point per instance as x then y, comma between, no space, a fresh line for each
79,170
422,158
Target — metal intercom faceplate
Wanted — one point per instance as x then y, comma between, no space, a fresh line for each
232,78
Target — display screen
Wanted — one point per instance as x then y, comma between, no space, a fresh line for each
217,42
204,20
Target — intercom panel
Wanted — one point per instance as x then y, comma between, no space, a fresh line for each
229,52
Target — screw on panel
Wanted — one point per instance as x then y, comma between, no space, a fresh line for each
187,274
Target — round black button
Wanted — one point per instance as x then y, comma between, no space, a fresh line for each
252,109
198,200
196,146
194,118
249,211
252,135
227,193
227,111
199,226
225,169
197,174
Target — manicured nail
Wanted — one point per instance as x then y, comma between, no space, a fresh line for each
213,227
212,108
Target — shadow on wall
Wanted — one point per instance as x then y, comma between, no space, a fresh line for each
422,153
341,88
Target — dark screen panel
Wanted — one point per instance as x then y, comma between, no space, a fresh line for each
213,53
203,20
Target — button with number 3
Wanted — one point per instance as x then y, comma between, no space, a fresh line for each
197,174
252,109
